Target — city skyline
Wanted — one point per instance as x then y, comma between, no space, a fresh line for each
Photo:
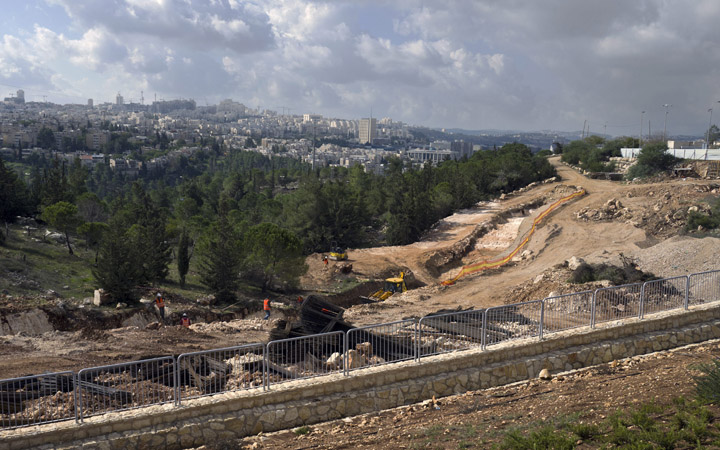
519,65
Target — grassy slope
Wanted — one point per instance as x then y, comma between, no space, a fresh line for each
31,266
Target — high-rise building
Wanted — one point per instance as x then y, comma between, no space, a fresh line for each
367,130
20,96
462,148
119,100
90,103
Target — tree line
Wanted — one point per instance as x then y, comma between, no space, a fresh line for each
244,218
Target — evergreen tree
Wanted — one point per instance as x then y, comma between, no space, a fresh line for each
220,257
63,216
274,253
93,233
13,197
118,269
183,258
148,223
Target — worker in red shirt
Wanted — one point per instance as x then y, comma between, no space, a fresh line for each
185,320
266,307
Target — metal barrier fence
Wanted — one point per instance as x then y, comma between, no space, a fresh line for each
516,321
53,397
616,303
119,387
37,399
304,357
564,312
380,344
210,372
664,295
449,332
704,287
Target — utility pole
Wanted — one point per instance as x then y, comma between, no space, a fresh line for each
641,123
707,139
667,107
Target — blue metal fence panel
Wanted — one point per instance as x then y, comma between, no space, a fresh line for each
37,399
704,287
664,295
449,332
119,387
375,345
210,372
617,302
304,357
516,321
564,312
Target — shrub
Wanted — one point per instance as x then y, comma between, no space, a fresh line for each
707,385
628,273
653,158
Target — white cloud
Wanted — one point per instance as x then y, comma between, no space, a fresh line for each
468,63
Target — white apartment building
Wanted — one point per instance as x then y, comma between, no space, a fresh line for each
367,130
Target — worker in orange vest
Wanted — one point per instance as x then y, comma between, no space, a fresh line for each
160,303
266,307
185,320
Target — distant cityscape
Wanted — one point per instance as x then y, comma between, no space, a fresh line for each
89,132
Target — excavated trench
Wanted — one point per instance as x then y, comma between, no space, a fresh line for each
35,322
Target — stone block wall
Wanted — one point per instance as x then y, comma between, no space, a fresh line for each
293,404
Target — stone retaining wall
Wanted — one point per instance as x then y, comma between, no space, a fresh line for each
238,414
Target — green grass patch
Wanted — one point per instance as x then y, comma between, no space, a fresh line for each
682,424
33,266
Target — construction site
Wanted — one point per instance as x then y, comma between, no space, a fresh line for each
519,248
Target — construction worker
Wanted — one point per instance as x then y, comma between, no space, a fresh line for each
300,299
160,303
266,307
325,260
185,320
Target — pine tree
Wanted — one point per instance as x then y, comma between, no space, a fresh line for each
149,228
220,258
13,197
276,254
183,258
118,268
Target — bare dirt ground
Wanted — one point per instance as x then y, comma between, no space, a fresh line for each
638,220
612,218
480,419
643,221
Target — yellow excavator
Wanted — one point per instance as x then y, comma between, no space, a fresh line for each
337,253
392,285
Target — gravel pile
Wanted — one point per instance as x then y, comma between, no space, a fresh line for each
680,255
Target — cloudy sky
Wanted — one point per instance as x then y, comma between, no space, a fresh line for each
474,64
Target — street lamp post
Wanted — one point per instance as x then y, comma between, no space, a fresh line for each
667,107
707,136
641,120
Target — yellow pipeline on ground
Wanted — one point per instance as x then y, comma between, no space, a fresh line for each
491,264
